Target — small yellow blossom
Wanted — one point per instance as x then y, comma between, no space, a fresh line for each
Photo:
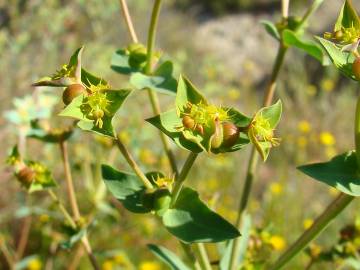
122,260
125,137
34,264
107,265
146,156
326,138
276,188
44,218
150,265
311,90
233,94
308,223
302,141
213,184
327,85
315,250
304,126
277,242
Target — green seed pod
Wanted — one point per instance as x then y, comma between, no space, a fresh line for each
188,122
26,176
230,133
162,201
217,137
148,199
356,68
72,91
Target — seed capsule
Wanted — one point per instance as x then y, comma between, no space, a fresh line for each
356,68
26,176
188,122
72,91
162,200
230,133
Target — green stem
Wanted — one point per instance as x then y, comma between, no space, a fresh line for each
152,35
62,209
182,176
254,157
130,160
330,213
357,131
204,259
314,6
190,255
128,21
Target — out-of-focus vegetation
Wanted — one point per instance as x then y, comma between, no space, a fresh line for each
36,35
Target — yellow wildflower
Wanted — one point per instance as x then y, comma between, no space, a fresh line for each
277,242
234,94
326,138
146,156
150,265
302,141
276,188
125,137
44,218
107,265
327,85
304,126
34,264
308,223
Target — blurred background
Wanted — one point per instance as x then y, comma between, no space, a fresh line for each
222,47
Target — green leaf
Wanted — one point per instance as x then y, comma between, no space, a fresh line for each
168,257
167,122
192,221
348,17
342,60
271,29
187,92
341,172
75,110
120,63
272,113
49,136
125,187
161,81
290,38
73,239
245,229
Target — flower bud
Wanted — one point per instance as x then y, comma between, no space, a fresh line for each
230,133
72,91
162,200
356,68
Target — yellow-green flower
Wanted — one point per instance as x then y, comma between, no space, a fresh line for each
34,264
276,188
277,242
327,139
304,126
308,223
107,265
150,265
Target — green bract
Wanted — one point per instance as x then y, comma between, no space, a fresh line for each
193,123
161,80
262,126
32,175
346,37
341,172
96,110
189,219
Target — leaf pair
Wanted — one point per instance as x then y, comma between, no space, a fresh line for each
189,219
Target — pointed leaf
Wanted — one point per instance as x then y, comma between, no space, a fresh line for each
348,17
290,38
187,92
167,123
168,257
272,113
271,29
125,187
342,60
120,63
192,221
341,172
